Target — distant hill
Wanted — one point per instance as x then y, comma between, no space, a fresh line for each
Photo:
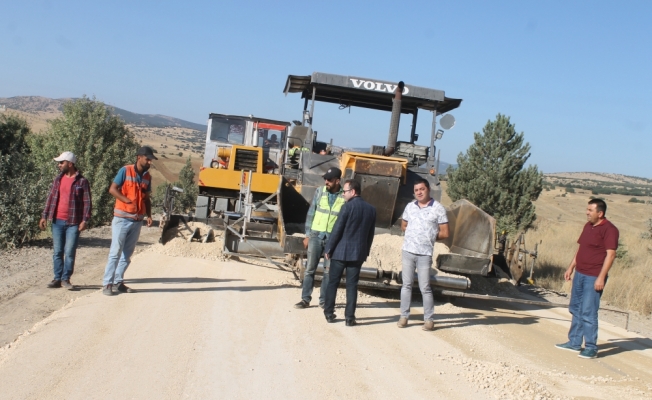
156,120
598,177
44,105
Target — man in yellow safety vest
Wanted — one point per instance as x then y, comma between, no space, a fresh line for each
321,217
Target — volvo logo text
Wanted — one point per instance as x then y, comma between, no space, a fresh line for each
377,86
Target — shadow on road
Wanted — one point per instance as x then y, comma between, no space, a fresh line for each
79,288
472,318
212,289
180,280
616,346
101,242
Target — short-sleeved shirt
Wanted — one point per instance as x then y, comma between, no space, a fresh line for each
594,243
122,175
423,226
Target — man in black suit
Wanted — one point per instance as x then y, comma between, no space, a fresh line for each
348,247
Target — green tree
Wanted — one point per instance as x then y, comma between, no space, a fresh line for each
188,199
14,132
101,142
24,184
492,176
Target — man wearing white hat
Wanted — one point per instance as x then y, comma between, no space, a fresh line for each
68,207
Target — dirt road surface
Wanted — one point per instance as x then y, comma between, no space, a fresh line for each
211,329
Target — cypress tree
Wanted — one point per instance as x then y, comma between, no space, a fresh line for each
492,176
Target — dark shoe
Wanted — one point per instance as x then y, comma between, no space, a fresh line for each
350,322
331,318
586,353
54,284
429,326
567,346
66,284
122,288
402,322
106,290
302,304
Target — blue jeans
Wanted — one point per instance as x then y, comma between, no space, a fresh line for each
125,233
422,264
584,305
315,251
64,240
337,268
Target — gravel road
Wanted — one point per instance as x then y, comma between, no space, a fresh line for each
200,328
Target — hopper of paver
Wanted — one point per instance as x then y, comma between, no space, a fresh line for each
471,240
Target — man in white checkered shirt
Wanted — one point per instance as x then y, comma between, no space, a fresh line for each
424,221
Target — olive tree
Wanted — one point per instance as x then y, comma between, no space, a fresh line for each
24,184
100,140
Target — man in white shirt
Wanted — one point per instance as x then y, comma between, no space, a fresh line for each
424,221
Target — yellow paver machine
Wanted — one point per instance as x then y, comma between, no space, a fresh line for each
259,175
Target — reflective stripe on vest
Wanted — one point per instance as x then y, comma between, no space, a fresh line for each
325,216
133,188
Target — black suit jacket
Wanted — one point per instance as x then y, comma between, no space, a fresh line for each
353,232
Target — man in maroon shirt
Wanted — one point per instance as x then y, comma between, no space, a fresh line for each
68,207
595,256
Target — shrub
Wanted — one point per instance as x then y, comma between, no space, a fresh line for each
24,187
647,234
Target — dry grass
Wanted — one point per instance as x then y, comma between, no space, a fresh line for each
559,224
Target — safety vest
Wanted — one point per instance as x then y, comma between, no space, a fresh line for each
325,215
134,188
295,149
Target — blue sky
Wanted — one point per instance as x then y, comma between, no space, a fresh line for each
573,76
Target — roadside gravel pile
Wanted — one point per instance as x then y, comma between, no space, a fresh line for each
177,244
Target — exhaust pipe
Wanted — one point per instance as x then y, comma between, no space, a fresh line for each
394,121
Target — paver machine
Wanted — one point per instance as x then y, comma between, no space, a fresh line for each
387,172
260,193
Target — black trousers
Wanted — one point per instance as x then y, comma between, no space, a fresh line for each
352,277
